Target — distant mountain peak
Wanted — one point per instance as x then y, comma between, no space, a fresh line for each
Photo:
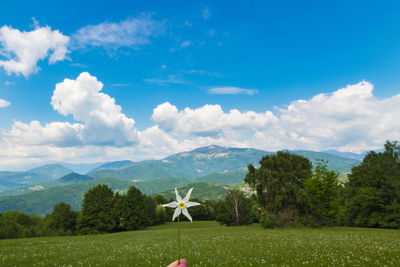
52,171
112,165
216,149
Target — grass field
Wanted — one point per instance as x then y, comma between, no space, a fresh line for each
209,244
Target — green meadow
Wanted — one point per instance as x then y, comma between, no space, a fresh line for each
210,244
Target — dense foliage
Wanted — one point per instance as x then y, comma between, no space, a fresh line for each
96,213
279,183
373,191
323,191
289,193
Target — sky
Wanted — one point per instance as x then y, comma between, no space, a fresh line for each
97,81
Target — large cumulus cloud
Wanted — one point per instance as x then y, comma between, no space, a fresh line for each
100,120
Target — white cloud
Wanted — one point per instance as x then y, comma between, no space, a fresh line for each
103,123
56,133
132,32
22,50
209,120
230,90
4,103
349,119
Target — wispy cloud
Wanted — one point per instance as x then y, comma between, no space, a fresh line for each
186,43
4,103
172,79
211,32
206,13
230,90
79,65
202,72
132,32
120,84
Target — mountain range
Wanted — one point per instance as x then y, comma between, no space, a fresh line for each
199,162
211,159
46,173
211,168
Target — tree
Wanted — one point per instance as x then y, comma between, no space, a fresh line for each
63,219
8,226
323,191
96,215
161,214
16,224
235,209
150,207
133,213
279,182
116,212
372,195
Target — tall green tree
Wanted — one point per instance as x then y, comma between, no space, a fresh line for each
9,228
323,191
116,212
150,207
63,218
133,210
279,182
96,215
373,190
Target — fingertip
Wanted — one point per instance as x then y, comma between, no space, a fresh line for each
183,263
174,264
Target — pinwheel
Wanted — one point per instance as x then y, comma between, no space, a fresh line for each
181,206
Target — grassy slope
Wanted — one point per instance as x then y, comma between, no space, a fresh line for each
209,244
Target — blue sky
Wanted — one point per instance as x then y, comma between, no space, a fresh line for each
314,75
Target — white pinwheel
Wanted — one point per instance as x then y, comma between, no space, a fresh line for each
182,205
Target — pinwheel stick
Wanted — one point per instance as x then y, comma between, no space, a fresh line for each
179,243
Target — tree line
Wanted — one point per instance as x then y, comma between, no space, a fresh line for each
289,193
103,211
